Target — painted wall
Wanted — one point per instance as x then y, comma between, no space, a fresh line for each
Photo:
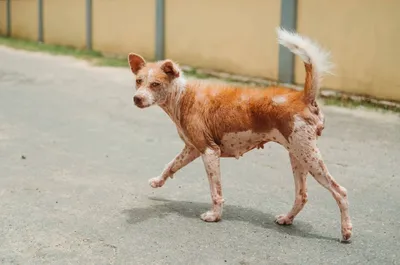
3,19
225,35
123,26
364,38
64,22
24,19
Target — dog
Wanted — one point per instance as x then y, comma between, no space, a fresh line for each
216,120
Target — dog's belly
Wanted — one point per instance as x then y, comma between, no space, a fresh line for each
238,143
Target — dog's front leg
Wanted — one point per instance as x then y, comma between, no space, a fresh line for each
211,159
187,155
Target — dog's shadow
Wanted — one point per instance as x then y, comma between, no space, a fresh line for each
187,209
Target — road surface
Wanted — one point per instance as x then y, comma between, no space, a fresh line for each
76,156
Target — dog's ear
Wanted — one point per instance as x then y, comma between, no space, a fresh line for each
170,69
136,62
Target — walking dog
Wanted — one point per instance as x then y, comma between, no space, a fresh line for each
216,120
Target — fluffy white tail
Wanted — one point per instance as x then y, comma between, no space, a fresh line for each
316,60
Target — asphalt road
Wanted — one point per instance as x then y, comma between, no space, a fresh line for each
76,156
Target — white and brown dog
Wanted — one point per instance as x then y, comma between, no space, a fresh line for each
217,121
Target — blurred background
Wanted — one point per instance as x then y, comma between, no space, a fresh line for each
76,154
233,36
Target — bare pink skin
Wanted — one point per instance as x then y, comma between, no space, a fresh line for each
211,159
222,121
187,155
306,158
300,176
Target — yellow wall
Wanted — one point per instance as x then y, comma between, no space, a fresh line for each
123,26
364,38
24,17
230,35
3,19
64,22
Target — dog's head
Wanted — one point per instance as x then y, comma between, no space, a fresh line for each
154,81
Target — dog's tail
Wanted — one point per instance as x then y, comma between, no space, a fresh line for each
316,60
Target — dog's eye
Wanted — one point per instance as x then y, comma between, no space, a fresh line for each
138,82
155,85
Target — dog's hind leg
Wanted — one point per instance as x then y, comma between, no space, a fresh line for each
300,177
319,171
309,155
187,155
211,159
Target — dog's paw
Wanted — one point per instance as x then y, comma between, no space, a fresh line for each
346,233
210,216
156,182
283,219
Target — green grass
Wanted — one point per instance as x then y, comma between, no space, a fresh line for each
194,73
97,58
353,104
94,57
53,49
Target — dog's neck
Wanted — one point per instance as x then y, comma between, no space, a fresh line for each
172,103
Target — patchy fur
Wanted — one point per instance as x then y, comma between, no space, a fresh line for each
217,121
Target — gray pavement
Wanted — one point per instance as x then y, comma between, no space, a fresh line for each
81,194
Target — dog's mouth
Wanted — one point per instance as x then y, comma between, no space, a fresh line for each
141,105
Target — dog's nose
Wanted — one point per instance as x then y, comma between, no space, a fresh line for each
137,100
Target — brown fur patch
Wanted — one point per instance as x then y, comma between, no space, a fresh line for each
223,109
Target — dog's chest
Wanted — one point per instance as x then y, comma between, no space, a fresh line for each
237,143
